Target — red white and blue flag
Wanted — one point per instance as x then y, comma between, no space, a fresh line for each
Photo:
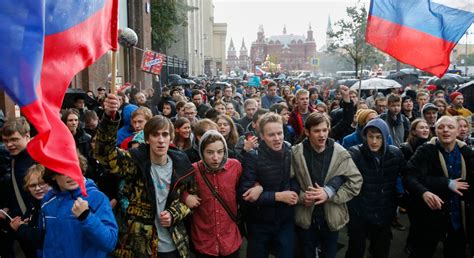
43,44
259,71
421,33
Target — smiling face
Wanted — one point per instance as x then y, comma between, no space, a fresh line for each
422,130
408,105
15,143
184,131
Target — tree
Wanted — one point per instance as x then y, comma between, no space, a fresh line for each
348,39
165,14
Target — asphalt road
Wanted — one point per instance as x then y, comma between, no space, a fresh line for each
396,249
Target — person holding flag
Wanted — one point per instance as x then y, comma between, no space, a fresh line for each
155,179
45,43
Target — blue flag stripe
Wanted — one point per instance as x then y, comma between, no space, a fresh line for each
21,48
435,19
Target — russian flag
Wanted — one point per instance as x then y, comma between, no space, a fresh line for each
421,33
259,71
44,43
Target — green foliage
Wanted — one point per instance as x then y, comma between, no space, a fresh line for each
165,15
348,39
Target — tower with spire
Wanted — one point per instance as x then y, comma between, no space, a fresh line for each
232,58
260,34
244,57
329,30
284,29
309,35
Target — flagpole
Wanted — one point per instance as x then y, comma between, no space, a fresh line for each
114,72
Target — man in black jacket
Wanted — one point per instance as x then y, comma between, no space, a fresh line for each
438,179
15,136
372,211
269,219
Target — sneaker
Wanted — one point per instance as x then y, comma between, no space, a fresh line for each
397,224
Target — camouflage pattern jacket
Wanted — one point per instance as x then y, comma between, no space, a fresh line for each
137,233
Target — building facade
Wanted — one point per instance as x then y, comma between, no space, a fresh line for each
289,51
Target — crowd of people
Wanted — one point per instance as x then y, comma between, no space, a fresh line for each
181,172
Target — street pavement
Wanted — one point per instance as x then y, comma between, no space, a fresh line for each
396,249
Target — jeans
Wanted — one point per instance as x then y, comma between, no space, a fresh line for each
379,235
261,236
318,235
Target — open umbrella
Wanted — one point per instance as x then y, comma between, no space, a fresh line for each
181,82
376,84
467,91
73,94
404,77
447,80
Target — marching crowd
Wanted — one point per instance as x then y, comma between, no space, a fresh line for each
191,172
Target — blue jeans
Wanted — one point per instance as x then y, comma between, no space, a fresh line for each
262,236
318,235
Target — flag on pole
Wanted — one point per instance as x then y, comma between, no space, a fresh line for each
43,44
421,33
259,71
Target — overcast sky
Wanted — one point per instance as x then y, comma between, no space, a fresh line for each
243,18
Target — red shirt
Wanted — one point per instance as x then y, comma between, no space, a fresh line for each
213,232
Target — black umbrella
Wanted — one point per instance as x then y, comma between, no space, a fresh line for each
182,81
447,80
467,91
73,94
404,77
347,82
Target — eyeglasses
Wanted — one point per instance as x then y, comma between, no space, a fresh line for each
40,185
100,89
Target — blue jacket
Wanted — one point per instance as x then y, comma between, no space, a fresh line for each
126,130
268,101
66,236
355,138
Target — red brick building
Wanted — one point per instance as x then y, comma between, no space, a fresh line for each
292,52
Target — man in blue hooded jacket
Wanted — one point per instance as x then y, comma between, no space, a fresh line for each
372,211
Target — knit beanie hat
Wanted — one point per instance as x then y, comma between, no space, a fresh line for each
362,115
453,95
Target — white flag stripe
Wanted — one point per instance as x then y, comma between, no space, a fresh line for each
465,5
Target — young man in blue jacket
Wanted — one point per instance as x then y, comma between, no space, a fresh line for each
76,225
